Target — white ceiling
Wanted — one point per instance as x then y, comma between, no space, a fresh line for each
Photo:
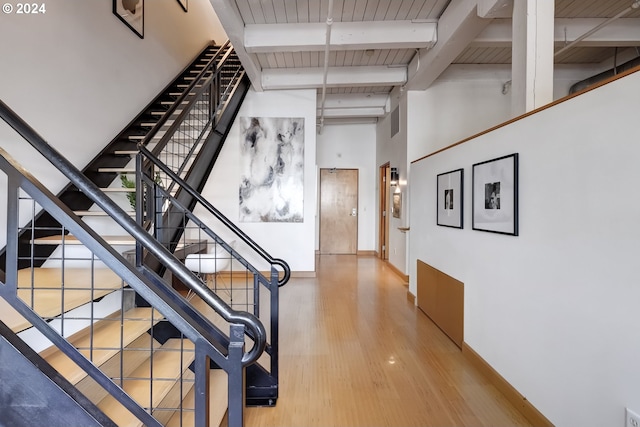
376,45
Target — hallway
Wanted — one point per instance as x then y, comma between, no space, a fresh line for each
356,352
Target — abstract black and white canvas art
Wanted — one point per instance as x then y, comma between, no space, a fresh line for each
272,169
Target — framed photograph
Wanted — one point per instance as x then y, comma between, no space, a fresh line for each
184,4
397,204
450,198
131,12
495,195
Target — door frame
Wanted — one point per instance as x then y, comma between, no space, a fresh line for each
357,207
383,211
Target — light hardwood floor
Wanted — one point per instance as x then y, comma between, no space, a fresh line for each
354,351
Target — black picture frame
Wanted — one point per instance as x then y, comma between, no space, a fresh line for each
450,199
184,4
495,195
131,13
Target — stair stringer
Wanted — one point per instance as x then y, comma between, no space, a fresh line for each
49,400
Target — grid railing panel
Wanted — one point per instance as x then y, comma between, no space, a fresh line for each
223,266
85,302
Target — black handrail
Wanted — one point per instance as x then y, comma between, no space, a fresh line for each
141,235
205,203
187,92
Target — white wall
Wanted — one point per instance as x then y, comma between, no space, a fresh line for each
468,99
77,74
555,309
353,147
459,104
463,101
293,242
394,151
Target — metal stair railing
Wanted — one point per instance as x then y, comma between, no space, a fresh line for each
240,285
187,319
189,125
168,197
194,113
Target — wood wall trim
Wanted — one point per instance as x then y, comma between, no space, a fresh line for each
267,274
518,400
411,298
304,274
393,268
367,253
537,110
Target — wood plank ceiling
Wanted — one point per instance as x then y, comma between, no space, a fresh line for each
284,41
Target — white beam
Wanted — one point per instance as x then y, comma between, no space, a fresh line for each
356,100
306,78
355,105
354,112
457,27
233,25
622,32
348,121
532,55
264,38
495,8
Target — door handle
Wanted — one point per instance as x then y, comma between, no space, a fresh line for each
354,212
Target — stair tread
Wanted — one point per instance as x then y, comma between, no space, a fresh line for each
218,402
73,240
98,213
152,124
106,339
12,318
174,398
47,302
70,239
168,364
120,364
123,169
118,190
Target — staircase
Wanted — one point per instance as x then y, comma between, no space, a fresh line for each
114,329
185,125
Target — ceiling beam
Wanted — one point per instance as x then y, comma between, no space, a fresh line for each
355,105
233,25
348,121
354,112
264,38
458,26
307,78
351,100
495,8
622,32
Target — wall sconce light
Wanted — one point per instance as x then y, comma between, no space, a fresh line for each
394,177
